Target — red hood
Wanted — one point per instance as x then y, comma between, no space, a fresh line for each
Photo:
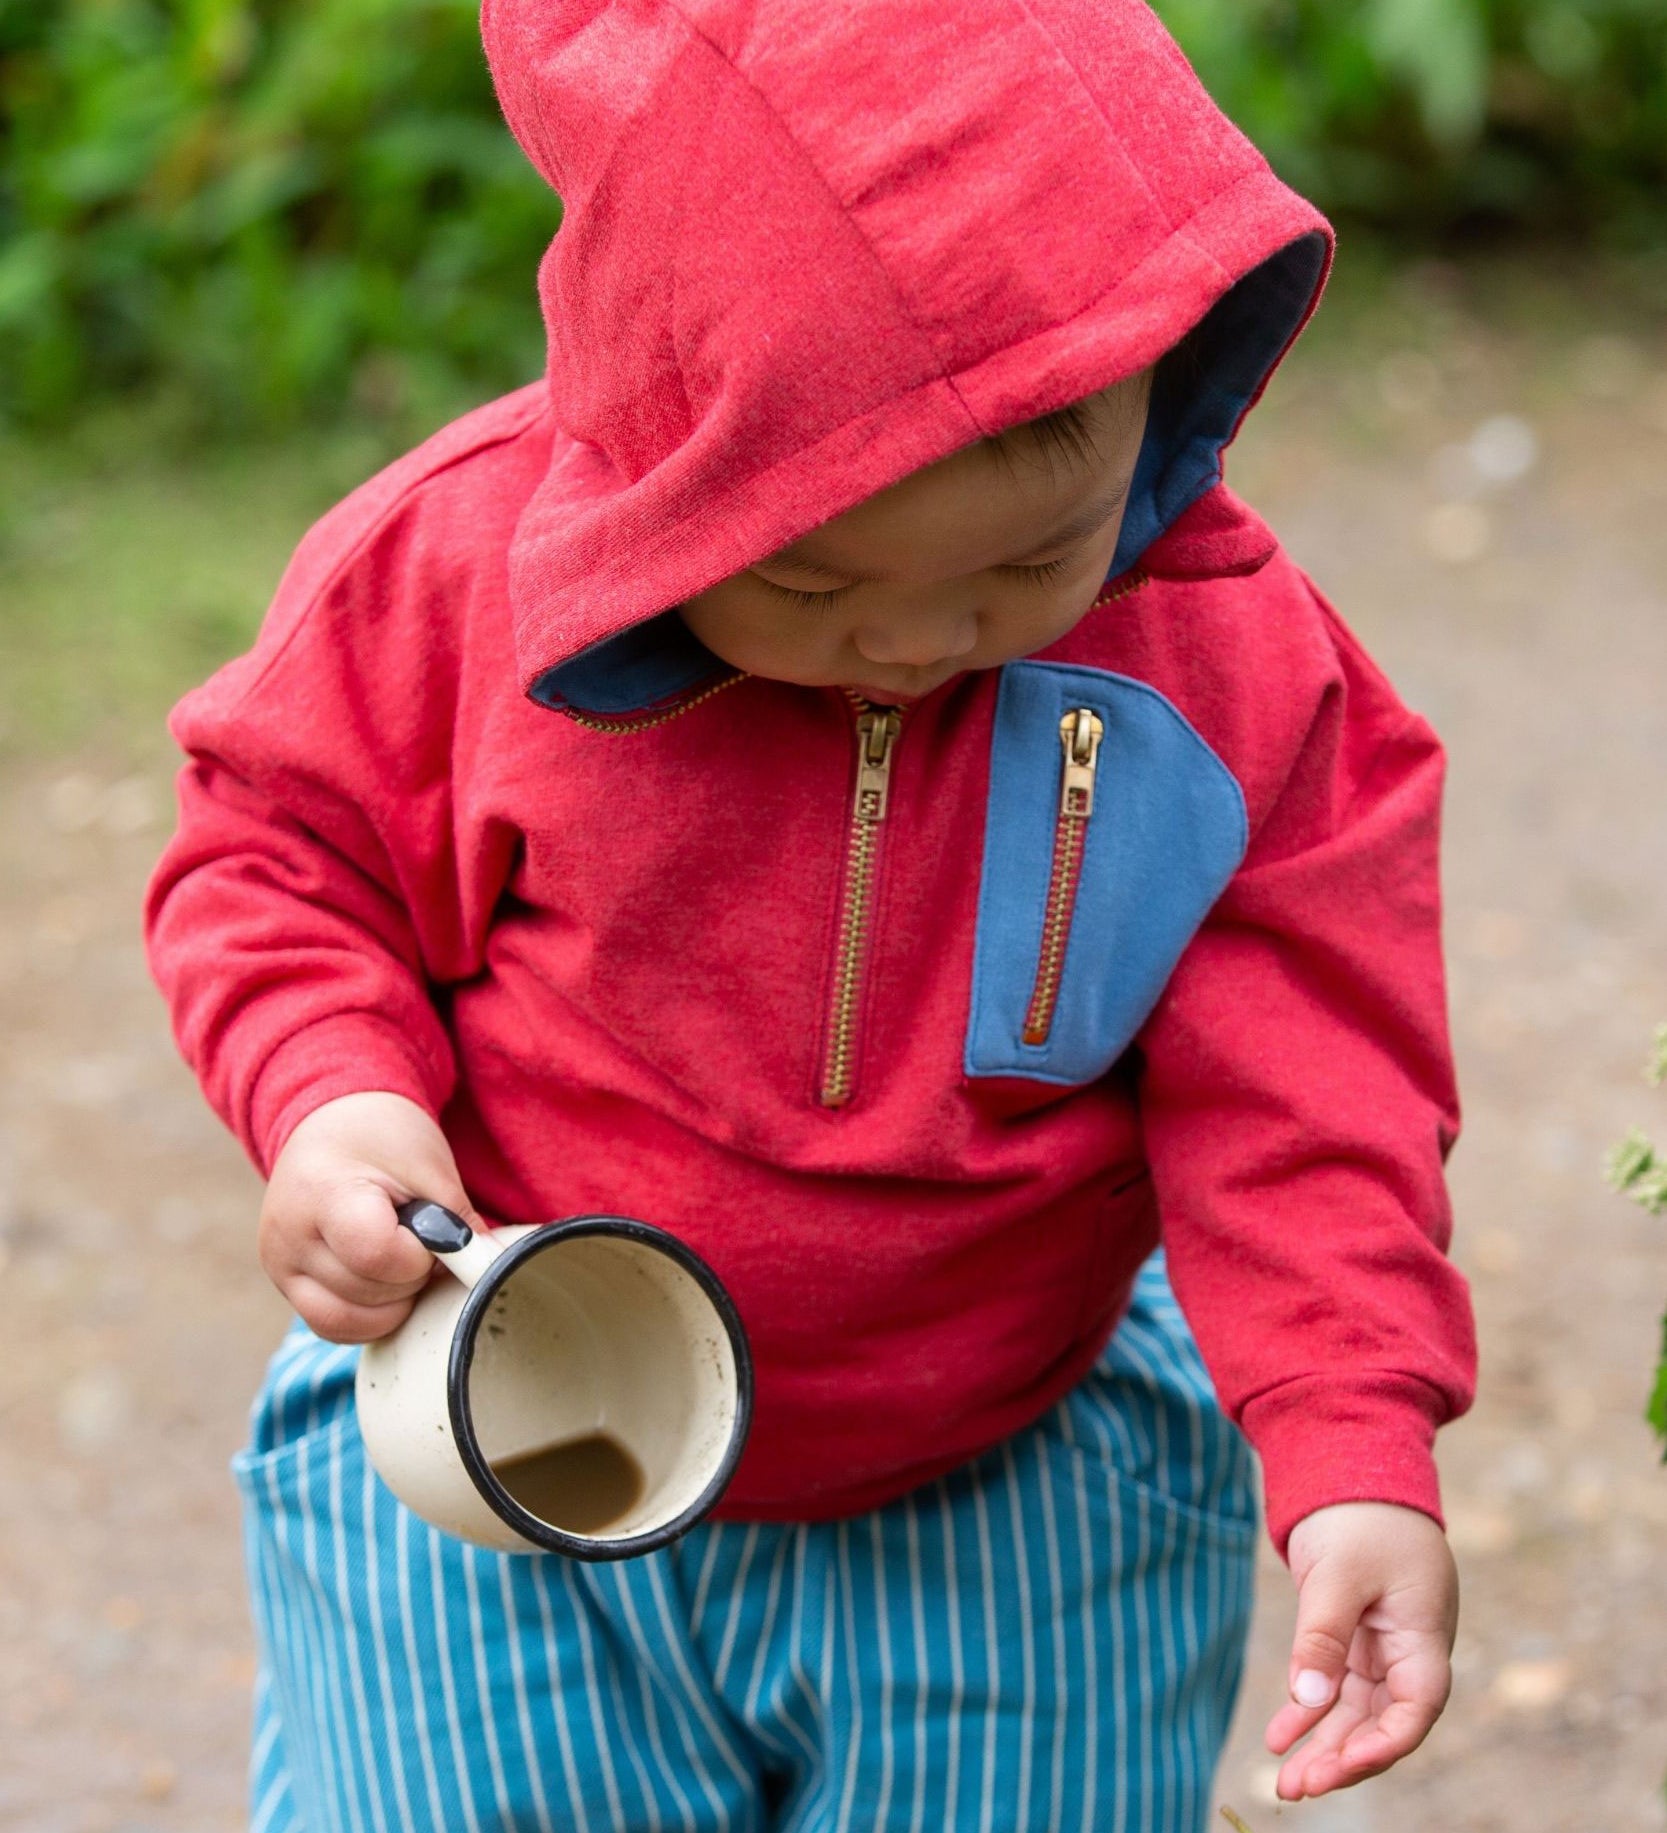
810,248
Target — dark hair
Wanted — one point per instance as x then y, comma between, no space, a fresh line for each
1067,433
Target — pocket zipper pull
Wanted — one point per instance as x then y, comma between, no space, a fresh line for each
1080,731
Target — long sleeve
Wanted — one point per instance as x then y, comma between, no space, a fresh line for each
316,898
292,972
1298,1102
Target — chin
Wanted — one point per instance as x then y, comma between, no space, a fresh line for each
899,696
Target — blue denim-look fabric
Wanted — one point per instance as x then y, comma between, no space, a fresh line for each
1047,1640
1167,832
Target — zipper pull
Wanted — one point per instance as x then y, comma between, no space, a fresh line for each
1080,731
876,734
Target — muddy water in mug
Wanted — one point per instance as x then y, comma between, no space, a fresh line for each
582,1487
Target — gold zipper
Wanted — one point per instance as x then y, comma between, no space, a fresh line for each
877,730
640,722
1121,588
1080,733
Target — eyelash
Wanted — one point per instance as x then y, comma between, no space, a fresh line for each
816,601
1049,569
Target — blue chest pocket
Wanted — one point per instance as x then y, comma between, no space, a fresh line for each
1111,830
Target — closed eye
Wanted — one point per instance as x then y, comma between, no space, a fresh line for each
1040,574
816,601
1048,569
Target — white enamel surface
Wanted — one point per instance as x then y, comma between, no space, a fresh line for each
594,1333
406,1425
602,1333
469,1263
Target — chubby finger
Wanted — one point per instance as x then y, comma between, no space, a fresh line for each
1330,1604
1317,1770
1291,1722
1339,1709
359,1227
1396,1732
1356,1742
340,1320
1333,1730
320,1264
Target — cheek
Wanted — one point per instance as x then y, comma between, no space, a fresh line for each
761,639
1017,624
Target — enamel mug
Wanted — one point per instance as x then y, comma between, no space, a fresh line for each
583,1387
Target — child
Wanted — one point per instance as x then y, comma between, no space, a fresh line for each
833,772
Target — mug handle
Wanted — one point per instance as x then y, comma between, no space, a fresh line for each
457,1247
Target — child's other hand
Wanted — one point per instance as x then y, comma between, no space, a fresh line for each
1377,1608
329,1240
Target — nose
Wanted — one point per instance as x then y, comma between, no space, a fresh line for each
917,641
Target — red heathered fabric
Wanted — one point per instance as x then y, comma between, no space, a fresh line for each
826,245
793,270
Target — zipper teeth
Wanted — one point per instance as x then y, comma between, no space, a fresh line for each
1062,897
1131,582
640,722
838,1073
850,951
1081,732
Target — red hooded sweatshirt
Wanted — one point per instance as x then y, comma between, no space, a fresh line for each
920,1027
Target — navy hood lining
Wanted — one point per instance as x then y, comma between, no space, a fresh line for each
1200,394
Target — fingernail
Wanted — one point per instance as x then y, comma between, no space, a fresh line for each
1312,1688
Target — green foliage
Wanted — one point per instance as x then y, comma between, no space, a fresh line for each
250,197
278,206
1637,1170
1427,115
1656,1412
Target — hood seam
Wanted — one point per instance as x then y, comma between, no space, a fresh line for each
1174,226
1093,101
811,165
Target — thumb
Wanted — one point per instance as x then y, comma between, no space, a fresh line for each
1329,1608
434,1179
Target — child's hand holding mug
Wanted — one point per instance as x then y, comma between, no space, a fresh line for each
329,1239
1378,1606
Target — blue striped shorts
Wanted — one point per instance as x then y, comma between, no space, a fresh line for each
1049,1638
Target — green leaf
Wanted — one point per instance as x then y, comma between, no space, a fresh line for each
1633,1168
1655,1071
1656,1411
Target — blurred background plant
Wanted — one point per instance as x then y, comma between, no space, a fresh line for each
278,208
1638,1170
281,207
1431,117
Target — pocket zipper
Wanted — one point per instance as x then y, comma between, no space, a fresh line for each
1080,733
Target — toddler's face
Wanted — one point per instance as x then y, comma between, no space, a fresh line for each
988,555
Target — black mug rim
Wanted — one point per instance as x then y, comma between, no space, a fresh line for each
467,1329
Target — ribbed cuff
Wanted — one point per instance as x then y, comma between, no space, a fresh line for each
354,1053
1365,1436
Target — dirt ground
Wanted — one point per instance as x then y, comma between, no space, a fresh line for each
1487,501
